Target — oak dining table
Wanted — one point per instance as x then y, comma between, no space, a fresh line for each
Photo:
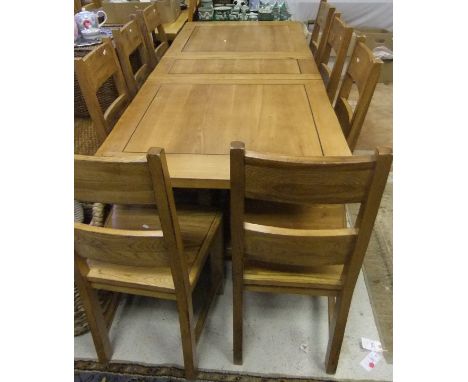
219,82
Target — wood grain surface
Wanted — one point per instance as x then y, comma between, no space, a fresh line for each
221,82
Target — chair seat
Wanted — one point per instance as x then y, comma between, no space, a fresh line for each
198,225
296,217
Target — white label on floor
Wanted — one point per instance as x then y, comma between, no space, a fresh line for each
371,345
371,360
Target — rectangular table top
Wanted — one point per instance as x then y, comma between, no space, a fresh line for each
194,107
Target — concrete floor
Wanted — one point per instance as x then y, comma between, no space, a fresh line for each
283,335
378,125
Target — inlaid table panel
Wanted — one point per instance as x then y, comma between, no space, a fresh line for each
276,67
233,66
272,118
241,39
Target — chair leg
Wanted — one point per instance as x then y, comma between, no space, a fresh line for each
217,262
187,335
238,318
216,280
337,329
96,322
331,310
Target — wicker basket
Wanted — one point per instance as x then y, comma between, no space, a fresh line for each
94,214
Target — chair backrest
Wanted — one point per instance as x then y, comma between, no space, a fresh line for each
321,28
306,181
144,180
77,6
338,40
92,71
364,71
149,21
133,55
88,6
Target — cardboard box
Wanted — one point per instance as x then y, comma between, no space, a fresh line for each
119,13
379,37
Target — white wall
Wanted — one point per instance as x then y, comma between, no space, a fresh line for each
357,13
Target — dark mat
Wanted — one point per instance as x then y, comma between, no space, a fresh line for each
90,371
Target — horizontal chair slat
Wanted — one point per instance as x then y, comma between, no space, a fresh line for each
307,181
123,247
307,248
102,60
113,180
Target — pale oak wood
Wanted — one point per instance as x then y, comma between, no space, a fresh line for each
129,40
192,8
365,221
298,116
77,6
237,66
363,70
321,29
338,40
141,250
172,29
132,186
307,180
92,71
153,33
271,258
166,208
304,248
290,290
219,66
295,216
280,39
195,224
319,277
283,113
237,79
94,4
222,39
93,311
204,171
214,115
326,121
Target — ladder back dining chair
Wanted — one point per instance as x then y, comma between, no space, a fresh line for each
150,23
337,41
363,70
321,28
133,55
289,232
88,6
92,71
152,251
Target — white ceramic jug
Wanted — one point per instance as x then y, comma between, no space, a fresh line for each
88,23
